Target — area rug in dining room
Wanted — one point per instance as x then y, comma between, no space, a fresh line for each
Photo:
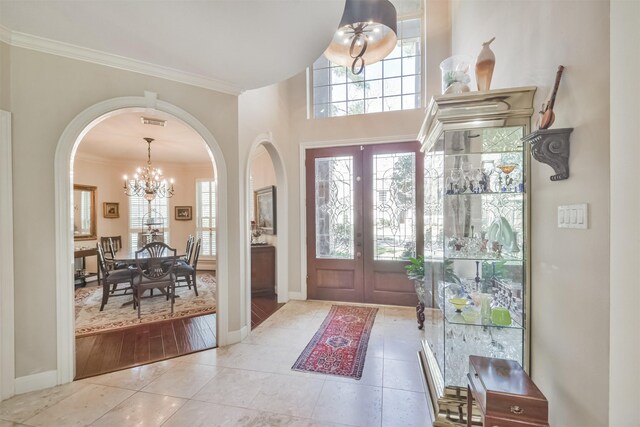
118,314
340,345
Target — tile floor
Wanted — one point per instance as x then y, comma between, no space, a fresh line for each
248,384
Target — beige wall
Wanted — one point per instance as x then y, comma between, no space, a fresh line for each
264,118
48,92
5,92
570,268
107,176
263,175
624,393
359,129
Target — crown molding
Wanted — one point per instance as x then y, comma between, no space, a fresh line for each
67,50
96,159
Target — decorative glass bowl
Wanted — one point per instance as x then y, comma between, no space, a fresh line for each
459,303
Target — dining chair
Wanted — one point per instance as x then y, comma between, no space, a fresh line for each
187,272
110,246
155,269
189,249
112,278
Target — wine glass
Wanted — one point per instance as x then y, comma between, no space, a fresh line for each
467,172
506,169
456,177
488,168
478,176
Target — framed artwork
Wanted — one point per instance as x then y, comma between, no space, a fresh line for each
111,210
184,213
265,209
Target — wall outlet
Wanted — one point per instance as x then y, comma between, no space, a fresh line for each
573,216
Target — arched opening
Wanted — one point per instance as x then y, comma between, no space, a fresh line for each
116,213
268,224
68,145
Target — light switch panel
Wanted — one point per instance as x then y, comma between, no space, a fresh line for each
573,216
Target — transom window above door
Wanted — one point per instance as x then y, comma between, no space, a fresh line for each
393,84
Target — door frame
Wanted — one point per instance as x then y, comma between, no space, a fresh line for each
7,331
304,146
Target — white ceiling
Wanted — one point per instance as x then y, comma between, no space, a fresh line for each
244,44
232,45
121,138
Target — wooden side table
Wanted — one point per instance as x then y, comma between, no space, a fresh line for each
80,278
505,394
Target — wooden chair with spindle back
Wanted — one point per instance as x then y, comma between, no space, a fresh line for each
155,269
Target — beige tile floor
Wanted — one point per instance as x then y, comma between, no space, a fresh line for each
248,384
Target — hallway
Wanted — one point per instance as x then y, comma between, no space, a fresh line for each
248,384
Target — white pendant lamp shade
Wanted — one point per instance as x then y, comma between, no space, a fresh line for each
367,34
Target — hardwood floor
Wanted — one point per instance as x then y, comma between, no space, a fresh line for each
114,350
262,307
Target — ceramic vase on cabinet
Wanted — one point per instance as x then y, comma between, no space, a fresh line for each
484,66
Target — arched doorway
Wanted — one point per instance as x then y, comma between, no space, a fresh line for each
276,177
65,152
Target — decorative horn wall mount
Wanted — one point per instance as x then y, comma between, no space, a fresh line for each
551,146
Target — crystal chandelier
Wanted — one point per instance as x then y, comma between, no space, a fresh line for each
148,181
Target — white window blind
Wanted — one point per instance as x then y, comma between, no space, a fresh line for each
206,216
138,211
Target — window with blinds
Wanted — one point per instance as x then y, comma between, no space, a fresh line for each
206,216
138,214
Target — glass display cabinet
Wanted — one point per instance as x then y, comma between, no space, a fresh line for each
476,237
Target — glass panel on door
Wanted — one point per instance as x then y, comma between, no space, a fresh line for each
334,207
394,206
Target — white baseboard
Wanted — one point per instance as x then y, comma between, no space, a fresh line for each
38,381
234,337
297,296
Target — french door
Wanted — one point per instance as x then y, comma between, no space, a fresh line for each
364,220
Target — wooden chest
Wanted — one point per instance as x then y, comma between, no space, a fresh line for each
505,394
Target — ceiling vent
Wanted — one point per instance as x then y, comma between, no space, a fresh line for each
151,121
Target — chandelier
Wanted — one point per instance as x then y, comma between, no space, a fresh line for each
148,181
366,35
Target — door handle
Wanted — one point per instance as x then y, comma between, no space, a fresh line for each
358,254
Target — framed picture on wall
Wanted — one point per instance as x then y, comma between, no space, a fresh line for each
184,213
111,210
264,200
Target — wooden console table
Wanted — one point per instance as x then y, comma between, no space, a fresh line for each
505,394
263,270
80,278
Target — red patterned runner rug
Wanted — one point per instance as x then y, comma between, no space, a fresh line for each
340,345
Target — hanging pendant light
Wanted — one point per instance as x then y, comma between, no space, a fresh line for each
367,34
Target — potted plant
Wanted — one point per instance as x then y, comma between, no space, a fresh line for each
415,272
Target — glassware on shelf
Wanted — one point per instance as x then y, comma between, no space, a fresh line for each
478,177
488,168
506,169
467,174
456,179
